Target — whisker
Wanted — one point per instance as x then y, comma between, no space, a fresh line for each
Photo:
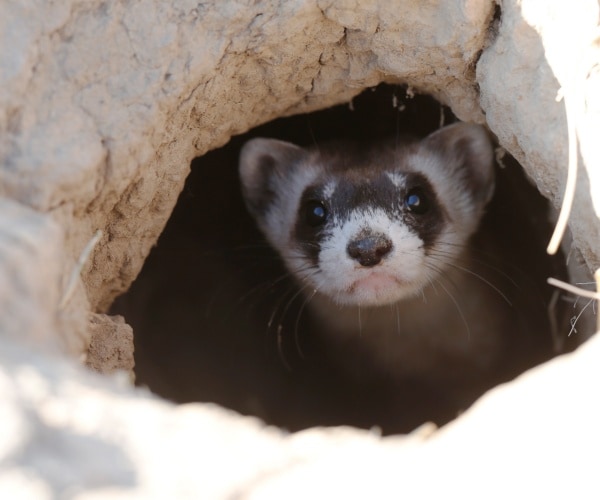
296,337
280,350
280,326
298,292
458,308
277,308
481,262
264,287
484,280
476,275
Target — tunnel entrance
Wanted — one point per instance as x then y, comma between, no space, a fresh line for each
217,318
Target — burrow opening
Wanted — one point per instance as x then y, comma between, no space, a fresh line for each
216,317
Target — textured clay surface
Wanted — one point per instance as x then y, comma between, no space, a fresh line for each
102,107
111,345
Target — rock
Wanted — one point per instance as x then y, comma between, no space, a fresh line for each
103,106
68,433
33,283
111,345
526,76
124,96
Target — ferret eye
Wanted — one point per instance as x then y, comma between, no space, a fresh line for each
315,213
416,201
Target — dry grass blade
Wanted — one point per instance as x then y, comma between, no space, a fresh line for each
83,257
593,295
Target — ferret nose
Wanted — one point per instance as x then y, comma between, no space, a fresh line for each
369,250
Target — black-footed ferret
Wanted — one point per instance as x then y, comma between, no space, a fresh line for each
378,238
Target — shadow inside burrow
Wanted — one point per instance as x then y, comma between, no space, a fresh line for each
217,318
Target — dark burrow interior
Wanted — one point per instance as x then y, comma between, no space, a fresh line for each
216,318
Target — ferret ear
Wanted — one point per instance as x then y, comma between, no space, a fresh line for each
262,162
467,149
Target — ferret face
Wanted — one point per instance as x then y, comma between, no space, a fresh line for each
375,225
365,238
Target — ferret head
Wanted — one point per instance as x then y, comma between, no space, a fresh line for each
370,226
